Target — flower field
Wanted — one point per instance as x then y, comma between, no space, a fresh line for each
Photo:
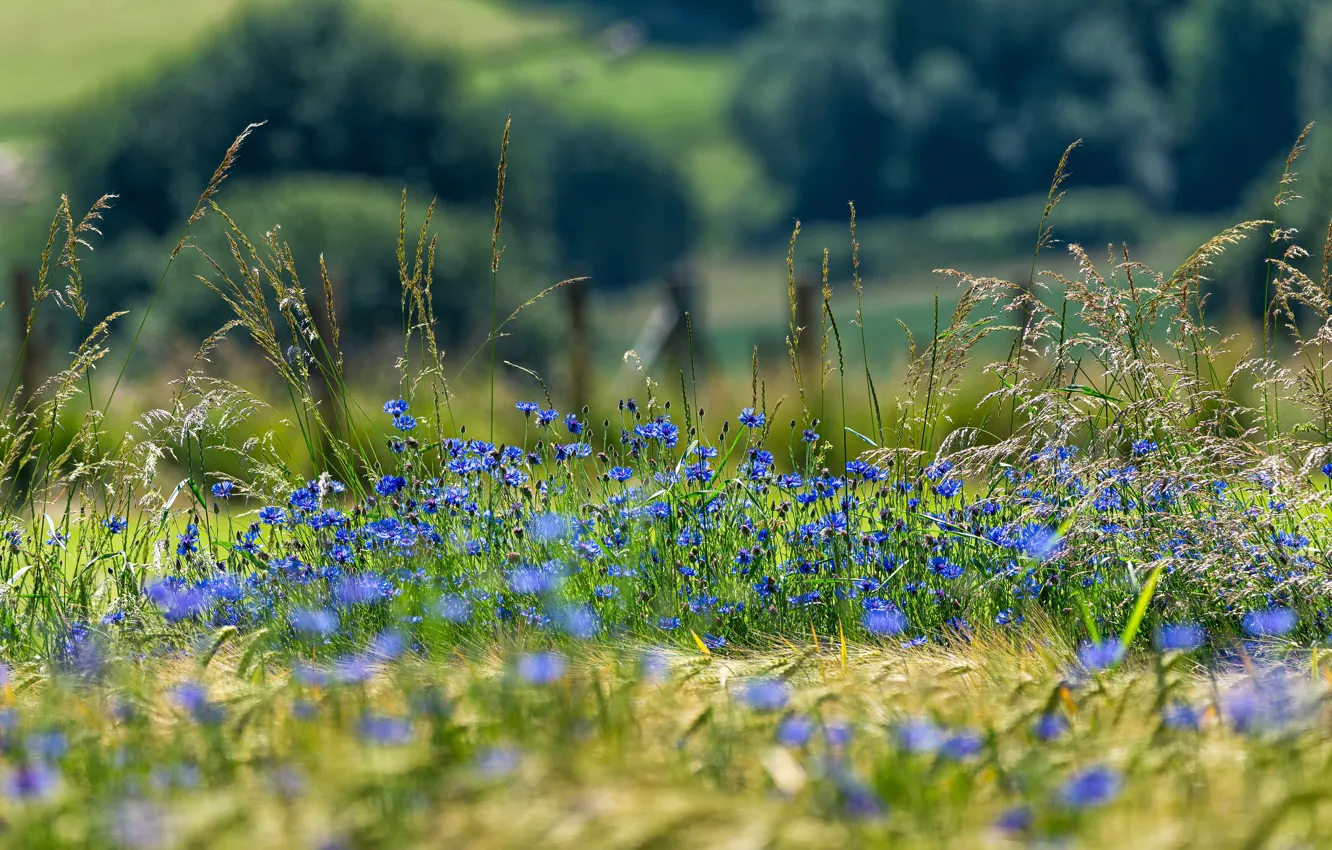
1089,613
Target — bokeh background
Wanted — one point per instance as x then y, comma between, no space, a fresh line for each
664,148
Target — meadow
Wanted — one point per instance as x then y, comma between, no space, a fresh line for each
1063,581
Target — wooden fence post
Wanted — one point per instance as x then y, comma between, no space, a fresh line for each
580,359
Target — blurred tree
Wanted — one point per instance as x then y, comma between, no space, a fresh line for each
680,21
339,94
908,106
1237,94
819,102
344,96
617,210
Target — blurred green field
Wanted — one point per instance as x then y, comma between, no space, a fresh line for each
52,54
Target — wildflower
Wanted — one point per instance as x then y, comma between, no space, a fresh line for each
574,426
390,484
542,668
888,622
545,417
919,736
1090,788
527,407
314,621
1144,447
1050,726
304,499
382,729
357,589
193,698
961,746
795,730
1272,622
579,622
115,524
948,488
405,422
809,435
1181,716
1180,637
272,515
497,762
396,407
668,624
222,489
766,694
620,474
57,538
1100,655
31,781
937,470
1016,819
751,419
187,543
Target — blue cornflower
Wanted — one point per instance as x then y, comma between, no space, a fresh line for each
795,730
396,407
31,780
272,515
605,591
1144,447
405,422
304,499
668,624
390,484
542,668
381,729
527,407
187,543
620,473
948,488
116,524
1273,622
1180,637
222,489
937,470
1100,654
57,538
752,419
545,417
961,746
700,471
766,694
572,423
1093,787
515,477
945,568
316,621
920,736
885,622
809,435
1050,726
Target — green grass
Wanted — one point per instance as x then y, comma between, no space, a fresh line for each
52,53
